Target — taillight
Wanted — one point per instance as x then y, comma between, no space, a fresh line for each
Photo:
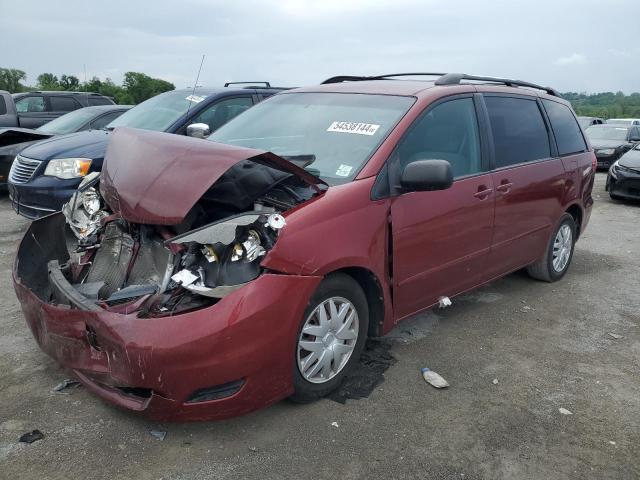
594,163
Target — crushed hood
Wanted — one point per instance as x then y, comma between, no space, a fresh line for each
156,178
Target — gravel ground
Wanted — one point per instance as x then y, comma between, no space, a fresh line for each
548,346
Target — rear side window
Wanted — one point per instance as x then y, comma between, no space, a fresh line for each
104,120
519,132
565,128
99,101
63,104
3,106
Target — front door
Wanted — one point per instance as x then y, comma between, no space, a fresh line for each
440,239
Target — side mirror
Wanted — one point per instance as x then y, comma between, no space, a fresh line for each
426,175
634,139
198,130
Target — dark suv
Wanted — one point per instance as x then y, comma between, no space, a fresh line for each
45,175
33,109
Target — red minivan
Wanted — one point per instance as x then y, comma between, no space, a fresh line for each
203,279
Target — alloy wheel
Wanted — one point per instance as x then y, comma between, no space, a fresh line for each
562,246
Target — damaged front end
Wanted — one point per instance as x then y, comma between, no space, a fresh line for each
120,256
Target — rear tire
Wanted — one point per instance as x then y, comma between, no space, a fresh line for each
555,262
329,344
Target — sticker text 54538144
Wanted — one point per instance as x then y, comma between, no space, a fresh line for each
353,127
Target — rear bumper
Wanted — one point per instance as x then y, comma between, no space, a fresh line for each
155,365
605,161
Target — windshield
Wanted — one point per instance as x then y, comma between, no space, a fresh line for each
607,133
157,113
333,134
68,123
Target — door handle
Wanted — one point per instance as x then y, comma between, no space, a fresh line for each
484,193
504,187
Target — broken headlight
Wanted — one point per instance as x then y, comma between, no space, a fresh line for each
225,255
84,210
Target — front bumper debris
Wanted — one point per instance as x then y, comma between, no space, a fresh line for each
212,363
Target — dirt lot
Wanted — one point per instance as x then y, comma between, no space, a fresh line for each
548,345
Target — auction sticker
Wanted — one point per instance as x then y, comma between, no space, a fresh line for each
194,98
344,170
353,127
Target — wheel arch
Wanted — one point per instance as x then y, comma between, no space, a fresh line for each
576,212
375,297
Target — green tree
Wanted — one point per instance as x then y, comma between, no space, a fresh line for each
140,86
48,81
10,79
69,83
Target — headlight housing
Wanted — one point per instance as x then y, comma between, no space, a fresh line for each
66,168
607,151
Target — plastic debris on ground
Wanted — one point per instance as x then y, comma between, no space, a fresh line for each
564,411
444,302
495,381
66,386
434,378
158,434
367,374
335,424
31,437
615,335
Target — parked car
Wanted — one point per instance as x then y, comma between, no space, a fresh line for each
44,176
623,179
206,279
33,109
624,121
610,142
14,140
586,122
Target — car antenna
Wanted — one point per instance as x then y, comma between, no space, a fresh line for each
194,87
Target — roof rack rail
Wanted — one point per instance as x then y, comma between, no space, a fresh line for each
456,78
359,78
266,84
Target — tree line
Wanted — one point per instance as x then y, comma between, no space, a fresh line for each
136,87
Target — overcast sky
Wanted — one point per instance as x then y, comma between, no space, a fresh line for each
571,45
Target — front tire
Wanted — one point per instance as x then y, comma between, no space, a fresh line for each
555,262
330,338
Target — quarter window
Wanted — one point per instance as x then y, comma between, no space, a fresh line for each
565,128
448,131
30,104
519,132
104,120
63,104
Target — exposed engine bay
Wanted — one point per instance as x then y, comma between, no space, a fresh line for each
159,270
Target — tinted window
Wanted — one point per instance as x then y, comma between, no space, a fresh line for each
69,122
63,104
3,106
448,131
104,120
565,128
220,113
519,132
30,104
99,101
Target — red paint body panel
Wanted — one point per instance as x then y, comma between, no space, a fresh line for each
155,178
